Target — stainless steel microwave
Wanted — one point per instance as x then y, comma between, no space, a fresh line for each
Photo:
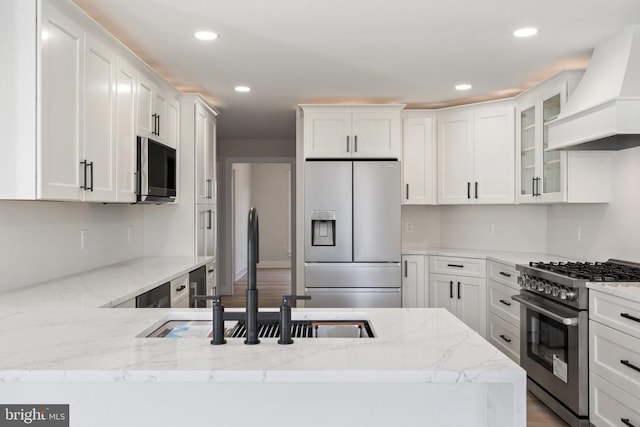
155,172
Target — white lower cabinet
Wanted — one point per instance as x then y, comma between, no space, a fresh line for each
180,292
503,322
465,297
211,278
413,281
614,360
459,284
505,336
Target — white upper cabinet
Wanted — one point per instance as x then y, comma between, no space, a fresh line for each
419,157
352,131
476,154
157,115
61,149
125,132
73,132
99,120
205,154
555,176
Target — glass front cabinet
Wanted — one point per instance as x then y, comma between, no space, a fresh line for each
542,173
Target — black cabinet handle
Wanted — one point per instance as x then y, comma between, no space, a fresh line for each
468,190
355,143
630,317
405,269
158,130
450,289
626,422
347,143
508,304
181,288
459,296
533,186
153,116
537,186
455,265
90,164
506,338
407,193
83,186
505,274
630,365
476,190
210,222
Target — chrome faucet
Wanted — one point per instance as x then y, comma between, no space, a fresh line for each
253,257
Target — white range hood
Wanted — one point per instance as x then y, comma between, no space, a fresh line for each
604,111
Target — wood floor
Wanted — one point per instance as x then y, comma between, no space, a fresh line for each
538,415
274,283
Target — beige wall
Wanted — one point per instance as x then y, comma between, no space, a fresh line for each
270,195
242,204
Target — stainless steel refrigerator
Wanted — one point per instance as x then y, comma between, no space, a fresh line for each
352,233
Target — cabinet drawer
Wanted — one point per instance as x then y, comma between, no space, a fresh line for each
609,405
618,313
505,336
615,356
211,273
459,266
503,273
179,289
501,304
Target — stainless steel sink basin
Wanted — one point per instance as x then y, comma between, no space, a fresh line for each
304,325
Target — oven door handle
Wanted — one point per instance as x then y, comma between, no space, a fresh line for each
569,321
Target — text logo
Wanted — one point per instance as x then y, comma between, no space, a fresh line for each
34,415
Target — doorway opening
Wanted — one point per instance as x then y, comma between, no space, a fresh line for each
268,187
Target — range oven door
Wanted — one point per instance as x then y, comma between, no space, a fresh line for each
554,349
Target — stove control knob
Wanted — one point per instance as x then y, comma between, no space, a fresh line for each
563,293
555,291
571,295
548,288
521,281
527,281
541,286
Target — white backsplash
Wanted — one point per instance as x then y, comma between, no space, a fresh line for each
41,240
608,230
520,228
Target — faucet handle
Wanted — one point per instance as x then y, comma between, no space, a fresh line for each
287,298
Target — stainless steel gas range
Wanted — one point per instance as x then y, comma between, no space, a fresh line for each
554,340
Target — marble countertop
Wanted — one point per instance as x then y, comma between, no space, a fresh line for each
626,290
509,258
56,331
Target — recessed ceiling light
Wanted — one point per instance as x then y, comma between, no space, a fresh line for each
205,35
525,32
242,89
463,86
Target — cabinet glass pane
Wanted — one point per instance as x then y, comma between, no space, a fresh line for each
527,149
551,159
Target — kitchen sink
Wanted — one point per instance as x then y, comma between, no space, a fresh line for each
303,325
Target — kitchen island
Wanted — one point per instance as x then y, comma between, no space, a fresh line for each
424,367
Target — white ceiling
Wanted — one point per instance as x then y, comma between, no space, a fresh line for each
321,51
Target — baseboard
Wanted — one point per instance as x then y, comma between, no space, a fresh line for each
274,264
241,272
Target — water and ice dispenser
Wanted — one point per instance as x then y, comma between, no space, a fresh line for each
323,228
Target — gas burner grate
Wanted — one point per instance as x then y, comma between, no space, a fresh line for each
592,271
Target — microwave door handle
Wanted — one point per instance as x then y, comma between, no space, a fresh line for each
568,321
